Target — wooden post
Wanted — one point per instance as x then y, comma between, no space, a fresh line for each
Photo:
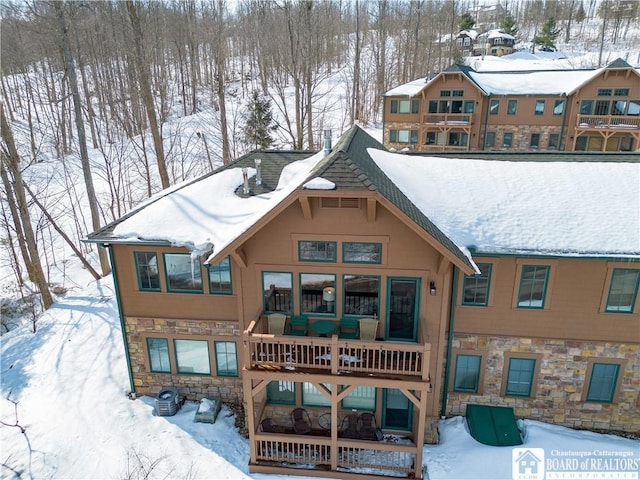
250,416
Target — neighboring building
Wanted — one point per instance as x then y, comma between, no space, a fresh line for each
571,110
494,42
509,283
465,41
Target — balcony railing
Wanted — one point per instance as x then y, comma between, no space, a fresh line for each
618,122
333,355
349,456
448,119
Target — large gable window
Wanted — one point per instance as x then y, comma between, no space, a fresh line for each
183,273
147,270
623,290
361,252
316,251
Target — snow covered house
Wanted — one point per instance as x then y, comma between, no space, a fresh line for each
461,109
494,42
350,297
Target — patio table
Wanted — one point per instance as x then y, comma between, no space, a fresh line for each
323,327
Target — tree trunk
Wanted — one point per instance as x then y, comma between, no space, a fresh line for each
12,161
82,139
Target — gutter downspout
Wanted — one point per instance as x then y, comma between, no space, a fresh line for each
564,123
447,367
486,121
122,325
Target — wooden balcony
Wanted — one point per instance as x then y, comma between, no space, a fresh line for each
334,356
448,119
609,122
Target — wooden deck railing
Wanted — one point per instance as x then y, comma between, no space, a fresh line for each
448,118
334,355
350,455
622,122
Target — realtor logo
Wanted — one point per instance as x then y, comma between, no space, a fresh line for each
527,464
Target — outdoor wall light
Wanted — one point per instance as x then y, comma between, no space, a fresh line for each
432,289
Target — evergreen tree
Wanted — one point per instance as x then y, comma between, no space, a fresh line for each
580,13
508,26
548,35
259,122
466,21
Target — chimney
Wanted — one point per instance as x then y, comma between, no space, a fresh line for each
245,179
258,171
327,142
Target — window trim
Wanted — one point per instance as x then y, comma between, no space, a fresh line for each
365,409
494,102
533,388
534,144
335,301
175,353
291,296
186,290
271,401
320,391
588,376
475,278
604,305
150,364
535,107
362,262
217,265
512,102
327,242
215,353
481,373
343,293
504,138
137,265
548,262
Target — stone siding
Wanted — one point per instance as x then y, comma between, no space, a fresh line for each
560,382
192,387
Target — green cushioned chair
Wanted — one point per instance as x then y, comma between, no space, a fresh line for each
349,328
298,325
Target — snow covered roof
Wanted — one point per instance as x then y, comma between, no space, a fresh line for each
410,89
565,208
497,33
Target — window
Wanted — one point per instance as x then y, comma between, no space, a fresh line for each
405,106
220,278
281,392
147,268
456,106
430,138
311,251
602,382
469,106
494,107
535,140
476,287
520,377
586,107
415,106
361,398
539,107
393,135
192,356
467,373
533,285
313,298
512,107
558,107
403,136
602,107
621,92
183,273
226,359
458,93
397,410
490,140
604,92
459,139
507,139
445,93
623,290
361,295
312,396
433,106
158,349
554,141
394,106
361,252
277,288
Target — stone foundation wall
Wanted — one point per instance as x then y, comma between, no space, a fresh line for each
560,382
193,387
522,137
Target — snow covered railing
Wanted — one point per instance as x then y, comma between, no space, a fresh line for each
608,121
448,118
282,352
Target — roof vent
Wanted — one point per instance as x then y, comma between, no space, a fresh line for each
245,181
258,171
327,142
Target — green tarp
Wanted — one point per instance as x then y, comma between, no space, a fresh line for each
493,425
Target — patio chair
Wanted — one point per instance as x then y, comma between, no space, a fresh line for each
368,328
349,426
367,429
298,325
276,323
348,328
269,425
301,421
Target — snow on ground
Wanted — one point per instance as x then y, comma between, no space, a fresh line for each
70,385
